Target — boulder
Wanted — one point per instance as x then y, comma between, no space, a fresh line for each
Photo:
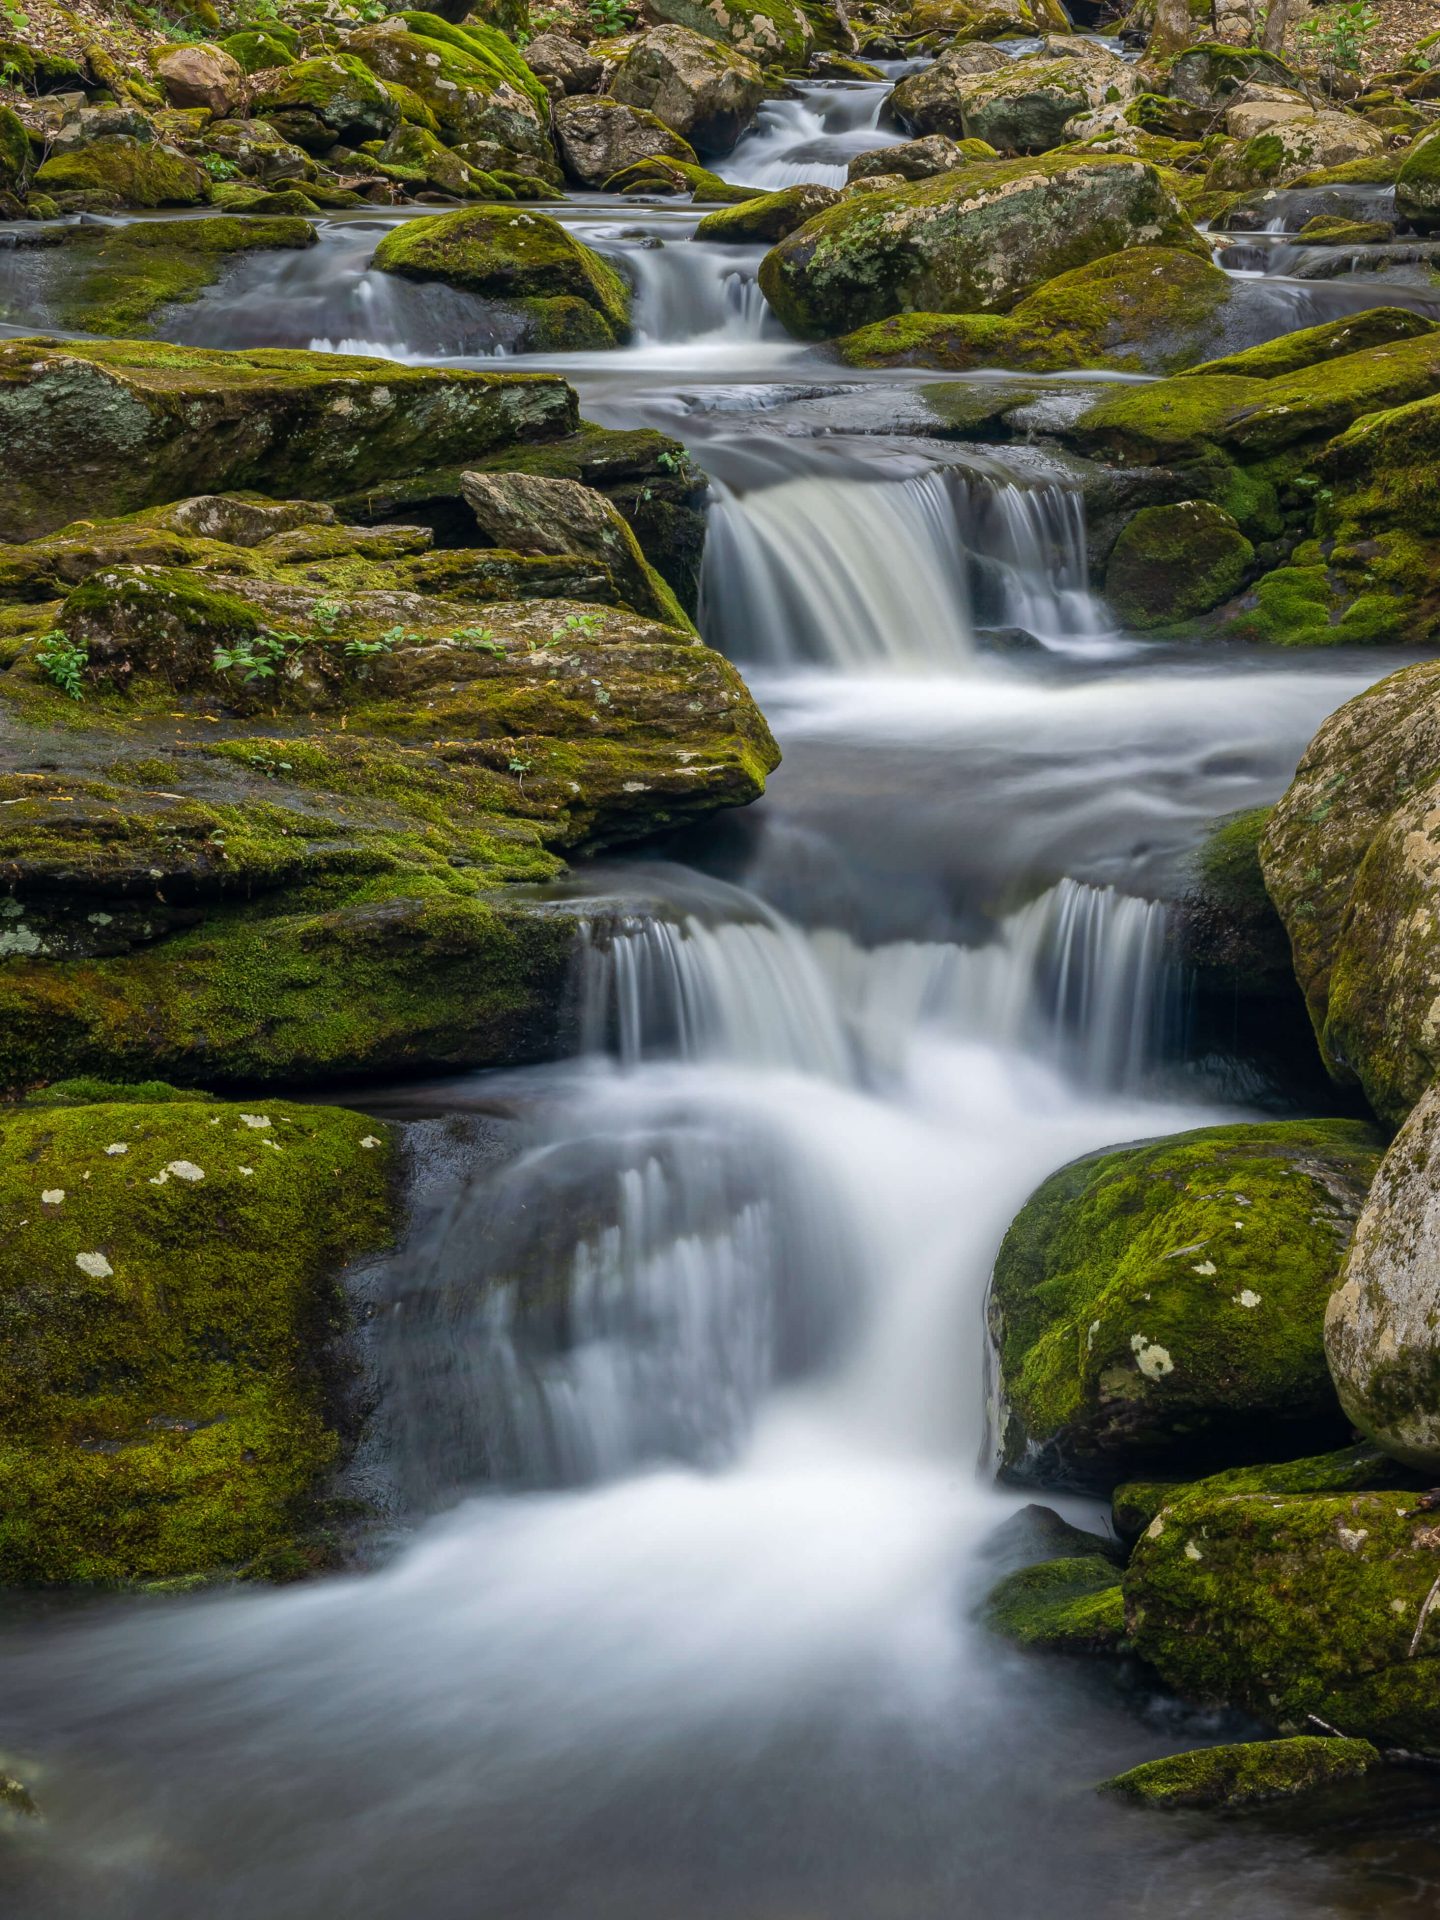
1292,150
1211,75
159,423
1350,859
1256,107
83,126
1166,1302
258,151
1255,1773
1382,1327
1293,1606
660,174
171,1382
1358,1468
973,240
442,169
773,33
112,173
701,89
253,49
531,513
768,217
556,291
16,163
1027,108
930,101
919,159
563,65
599,137
1173,562
1417,187
1060,1606
203,76
471,78
319,103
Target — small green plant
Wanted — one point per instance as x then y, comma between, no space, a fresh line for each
63,661
1336,36
609,17
325,613
479,640
521,768
572,624
260,656
14,17
218,167
670,462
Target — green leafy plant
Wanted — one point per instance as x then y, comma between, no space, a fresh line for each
260,656
218,167
670,462
570,626
1336,36
63,661
325,613
609,17
521,768
14,17
479,640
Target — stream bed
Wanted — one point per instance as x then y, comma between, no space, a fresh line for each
677,1614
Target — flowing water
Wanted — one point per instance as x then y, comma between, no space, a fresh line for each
684,1430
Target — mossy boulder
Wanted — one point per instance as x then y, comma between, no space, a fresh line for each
171,1397
768,217
417,150
256,151
1359,1468
931,101
1293,1606
471,78
1350,860
16,162
1173,562
117,172
1225,926
1060,1606
1254,1773
1417,186
321,102
773,33
1382,1327
559,292
599,137
1210,74
698,86
107,429
255,48
1293,151
115,280
1311,346
1024,107
1327,230
975,240
663,174
1165,1303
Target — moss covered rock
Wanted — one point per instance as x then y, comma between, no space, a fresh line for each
661,173
1293,151
1254,1773
417,150
1060,1606
1210,74
774,33
1290,1606
701,88
170,1400
1174,561
1358,1468
114,173
318,103
1165,1303
471,78
599,137
1417,187
1024,107
559,291
106,429
1350,861
975,240
768,217
256,48
16,163
1382,1327
1312,346
115,280
1225,925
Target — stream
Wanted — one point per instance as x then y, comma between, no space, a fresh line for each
684,1367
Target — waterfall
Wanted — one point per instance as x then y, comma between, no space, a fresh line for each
855,574
811,138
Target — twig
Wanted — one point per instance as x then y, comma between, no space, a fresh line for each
1430,1599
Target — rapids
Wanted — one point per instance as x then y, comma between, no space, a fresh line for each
683,1369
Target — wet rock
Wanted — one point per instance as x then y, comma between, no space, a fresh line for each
1060,1606
660,174
208,77
1175,561
975,240
599,137
165,422
1358,1468
1211,76
534,514
169,1401
1382,1329
704,91
1255,1773
919,159
1026,108
1417,187
769,216
1165,1302
931,101
559,292
770,32
1289,1606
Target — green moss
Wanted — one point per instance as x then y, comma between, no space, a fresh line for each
1248,1775
256,48
1312,346
1060,1606
414,151
1171,563
320,101
1330,231
484,49
117,279
1165,1303
121,173
1359,1468
15,161
165,1405
567,294
1291,1606
766,216
1309,606
957,342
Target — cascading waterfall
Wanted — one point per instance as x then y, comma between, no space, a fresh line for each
858,575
